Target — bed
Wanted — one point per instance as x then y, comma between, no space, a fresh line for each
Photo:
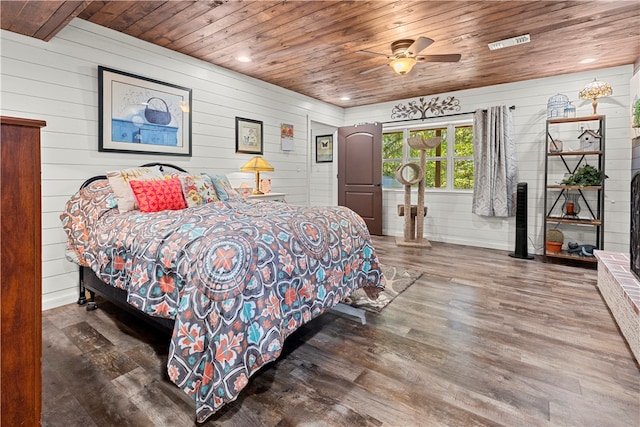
230,278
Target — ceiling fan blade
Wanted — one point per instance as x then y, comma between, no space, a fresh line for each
366,52
454,57
419,45
370,70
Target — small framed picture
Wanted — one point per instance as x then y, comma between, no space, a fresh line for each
142,115
248,136
324,148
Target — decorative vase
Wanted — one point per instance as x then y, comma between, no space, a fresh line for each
555,238
554,247
570,207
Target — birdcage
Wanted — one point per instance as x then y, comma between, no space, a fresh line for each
556,106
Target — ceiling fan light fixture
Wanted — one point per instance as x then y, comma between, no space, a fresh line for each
403,65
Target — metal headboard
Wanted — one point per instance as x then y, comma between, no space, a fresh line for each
164,167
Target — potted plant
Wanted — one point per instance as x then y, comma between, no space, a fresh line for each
585,176
555,239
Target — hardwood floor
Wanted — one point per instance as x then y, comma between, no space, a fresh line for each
481,339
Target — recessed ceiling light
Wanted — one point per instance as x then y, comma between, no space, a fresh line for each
510,42
345,98
588,60
243,59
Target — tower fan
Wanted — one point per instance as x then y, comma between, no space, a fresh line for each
521,223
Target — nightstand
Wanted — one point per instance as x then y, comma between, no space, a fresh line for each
272,197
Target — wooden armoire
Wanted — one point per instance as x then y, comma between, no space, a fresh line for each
20,272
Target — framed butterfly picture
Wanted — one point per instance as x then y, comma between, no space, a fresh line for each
324,148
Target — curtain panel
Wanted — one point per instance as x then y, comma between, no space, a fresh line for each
494,154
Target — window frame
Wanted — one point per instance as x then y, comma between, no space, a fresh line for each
450,158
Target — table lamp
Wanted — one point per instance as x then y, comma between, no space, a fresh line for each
595,90
257,164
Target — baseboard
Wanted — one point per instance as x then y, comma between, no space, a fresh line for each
58,299
462,242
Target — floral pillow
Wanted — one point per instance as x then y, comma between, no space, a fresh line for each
224,190
156,196
175,174
119,181
197,190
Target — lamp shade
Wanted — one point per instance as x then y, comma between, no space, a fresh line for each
403,65
595,90
257,164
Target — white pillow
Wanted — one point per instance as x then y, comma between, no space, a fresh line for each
119,182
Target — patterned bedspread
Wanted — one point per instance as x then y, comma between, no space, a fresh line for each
237,277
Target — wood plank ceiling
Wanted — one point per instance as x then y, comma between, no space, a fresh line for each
310,46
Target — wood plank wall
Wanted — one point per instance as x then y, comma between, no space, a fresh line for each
57,82
449,217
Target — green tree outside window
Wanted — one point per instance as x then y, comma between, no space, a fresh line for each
455,150
392,155
463,158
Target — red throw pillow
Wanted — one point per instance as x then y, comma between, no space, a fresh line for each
156,196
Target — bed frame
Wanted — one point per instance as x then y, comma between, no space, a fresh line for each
89,282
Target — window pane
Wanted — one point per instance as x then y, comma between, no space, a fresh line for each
436,174
464,143
440,150
463,174
396,151
392,145
389,174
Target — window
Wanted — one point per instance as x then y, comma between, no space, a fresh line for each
449,165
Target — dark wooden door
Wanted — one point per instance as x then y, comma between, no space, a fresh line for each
360,172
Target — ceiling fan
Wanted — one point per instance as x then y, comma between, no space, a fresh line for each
404,55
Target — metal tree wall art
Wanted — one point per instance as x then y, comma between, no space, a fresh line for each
434,106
